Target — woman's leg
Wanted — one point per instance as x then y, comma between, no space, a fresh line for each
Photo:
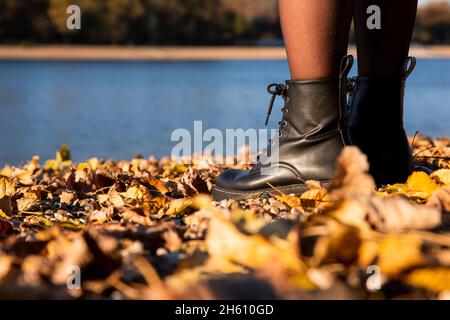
375,121
382,52
315,34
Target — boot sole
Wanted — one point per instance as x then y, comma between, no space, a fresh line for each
219,194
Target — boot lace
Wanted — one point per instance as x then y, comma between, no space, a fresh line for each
277,89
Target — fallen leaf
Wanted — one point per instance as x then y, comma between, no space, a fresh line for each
397,214
440,199
398,253
420,184
433,279
442,176
254,250
67,197
351,178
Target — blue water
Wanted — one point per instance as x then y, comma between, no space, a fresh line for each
120,109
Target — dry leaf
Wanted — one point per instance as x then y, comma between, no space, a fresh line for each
396,214
135,231
66,197
440,199
7,187
352,178
5,265
131,215
398,253
340,243
433,279
255,251
442,176
420,185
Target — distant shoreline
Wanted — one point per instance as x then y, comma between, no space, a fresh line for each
169,53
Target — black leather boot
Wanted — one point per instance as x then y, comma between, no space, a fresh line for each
311,138
375,124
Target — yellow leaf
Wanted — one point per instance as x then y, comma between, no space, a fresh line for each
6,171
397,253
367,253
201,201
316,198
6,264
393,188
421,185
133,192
51,164
82,166
340,244
433,279
93,163
225,241
116,200
291,201
175,207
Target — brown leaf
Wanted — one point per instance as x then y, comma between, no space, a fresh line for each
352,178
7,190
132,215
74,253
253,251
173,240
5,265
67,197
196,181
397,214
6,227
7,187
339,243
26,204
440,199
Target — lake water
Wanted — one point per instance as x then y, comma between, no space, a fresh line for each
119,109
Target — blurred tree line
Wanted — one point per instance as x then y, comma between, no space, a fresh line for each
165,22
433,24
156,22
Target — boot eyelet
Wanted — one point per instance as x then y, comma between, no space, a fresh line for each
284,123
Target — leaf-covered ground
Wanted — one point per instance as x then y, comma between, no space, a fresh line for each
147,229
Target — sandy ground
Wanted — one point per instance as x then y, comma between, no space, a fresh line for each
170,53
